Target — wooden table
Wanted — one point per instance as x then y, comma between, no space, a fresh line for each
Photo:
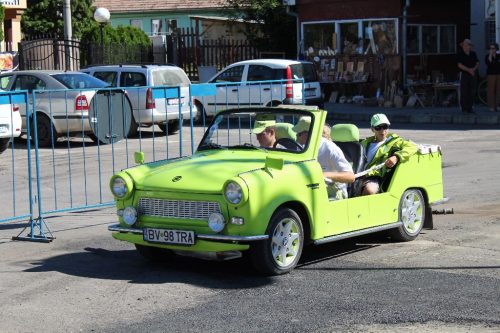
440,88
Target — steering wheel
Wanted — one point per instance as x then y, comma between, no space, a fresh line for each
288,144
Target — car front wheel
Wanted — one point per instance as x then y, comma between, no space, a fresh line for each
412,212
280,253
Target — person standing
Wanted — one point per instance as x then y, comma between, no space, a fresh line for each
468,65
492,60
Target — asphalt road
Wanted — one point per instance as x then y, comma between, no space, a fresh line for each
447,280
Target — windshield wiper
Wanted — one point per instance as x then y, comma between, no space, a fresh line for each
247,146
211,145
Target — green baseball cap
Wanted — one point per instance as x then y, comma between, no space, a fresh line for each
378,119
261,125
302,125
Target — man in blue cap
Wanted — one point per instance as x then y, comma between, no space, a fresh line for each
383,147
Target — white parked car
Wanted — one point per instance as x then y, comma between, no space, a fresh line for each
10,124
140,79
244,84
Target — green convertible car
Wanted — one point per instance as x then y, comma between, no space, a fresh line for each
233,196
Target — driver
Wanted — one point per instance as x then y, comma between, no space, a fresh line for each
265,131
332,160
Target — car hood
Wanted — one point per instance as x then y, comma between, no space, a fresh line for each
202,173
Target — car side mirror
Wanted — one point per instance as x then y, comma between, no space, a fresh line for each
139,157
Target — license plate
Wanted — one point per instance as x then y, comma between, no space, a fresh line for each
174,101
310,93
167,236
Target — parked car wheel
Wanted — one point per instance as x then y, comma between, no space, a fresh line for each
133,129
4,143
412,212
45,130
154,254
280,253
171,127
200,113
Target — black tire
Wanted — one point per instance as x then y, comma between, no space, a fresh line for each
412,212
200,114
154,254
4,143
133,129
267,256
171,127
45,130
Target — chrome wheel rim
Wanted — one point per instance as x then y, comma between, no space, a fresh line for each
285,242
412,213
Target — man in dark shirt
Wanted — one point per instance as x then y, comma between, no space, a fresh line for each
468,65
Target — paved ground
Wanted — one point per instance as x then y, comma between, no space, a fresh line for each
445,281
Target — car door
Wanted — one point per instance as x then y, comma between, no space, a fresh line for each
228,91
29,83
134,82
260,90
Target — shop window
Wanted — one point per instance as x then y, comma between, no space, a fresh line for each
430,39
319,36
350,37
447,39
381,36
413,39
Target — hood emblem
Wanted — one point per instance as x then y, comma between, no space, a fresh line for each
176,178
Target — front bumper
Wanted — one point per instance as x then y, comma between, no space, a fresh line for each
204,242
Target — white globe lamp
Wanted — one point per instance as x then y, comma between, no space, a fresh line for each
101,15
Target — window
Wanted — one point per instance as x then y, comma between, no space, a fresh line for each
375,36
232,74
28,82
108,77
260,73
319,36
136,23
156,26
131,79
431,39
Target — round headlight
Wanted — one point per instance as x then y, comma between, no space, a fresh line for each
129,215
233,193
119,187
216,222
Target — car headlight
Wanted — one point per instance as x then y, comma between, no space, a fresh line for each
216,222
233,193
121,186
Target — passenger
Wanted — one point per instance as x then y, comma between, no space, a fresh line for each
383,147
327,132
332,160
265,131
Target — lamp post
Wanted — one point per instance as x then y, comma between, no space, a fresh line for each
101,15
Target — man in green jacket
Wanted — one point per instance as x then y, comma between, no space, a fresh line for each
383,147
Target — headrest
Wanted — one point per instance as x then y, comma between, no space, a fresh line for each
284,130
345,133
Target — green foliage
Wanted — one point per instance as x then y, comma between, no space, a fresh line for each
2,17
276,31
46,17
122,35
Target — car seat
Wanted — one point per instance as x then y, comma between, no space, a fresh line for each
346,137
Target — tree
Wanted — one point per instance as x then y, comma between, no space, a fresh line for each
276,30
45,17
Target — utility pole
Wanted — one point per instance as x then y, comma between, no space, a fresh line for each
68,35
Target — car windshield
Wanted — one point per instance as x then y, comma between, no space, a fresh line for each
171,77
79,81
259,130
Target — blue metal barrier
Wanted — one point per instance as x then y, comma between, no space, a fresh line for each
83,136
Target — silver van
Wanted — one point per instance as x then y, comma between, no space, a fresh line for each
148,107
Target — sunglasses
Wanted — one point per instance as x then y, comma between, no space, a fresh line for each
381,127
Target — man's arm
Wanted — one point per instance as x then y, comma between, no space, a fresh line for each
341,177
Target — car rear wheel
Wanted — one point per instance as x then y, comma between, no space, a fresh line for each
154,254
45,130
132,130
412,213
280,253
200,115
4,143
171,127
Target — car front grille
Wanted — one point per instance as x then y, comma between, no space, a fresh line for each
197,210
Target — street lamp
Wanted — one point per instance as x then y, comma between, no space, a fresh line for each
101,15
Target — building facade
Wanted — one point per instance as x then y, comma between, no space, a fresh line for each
14,9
